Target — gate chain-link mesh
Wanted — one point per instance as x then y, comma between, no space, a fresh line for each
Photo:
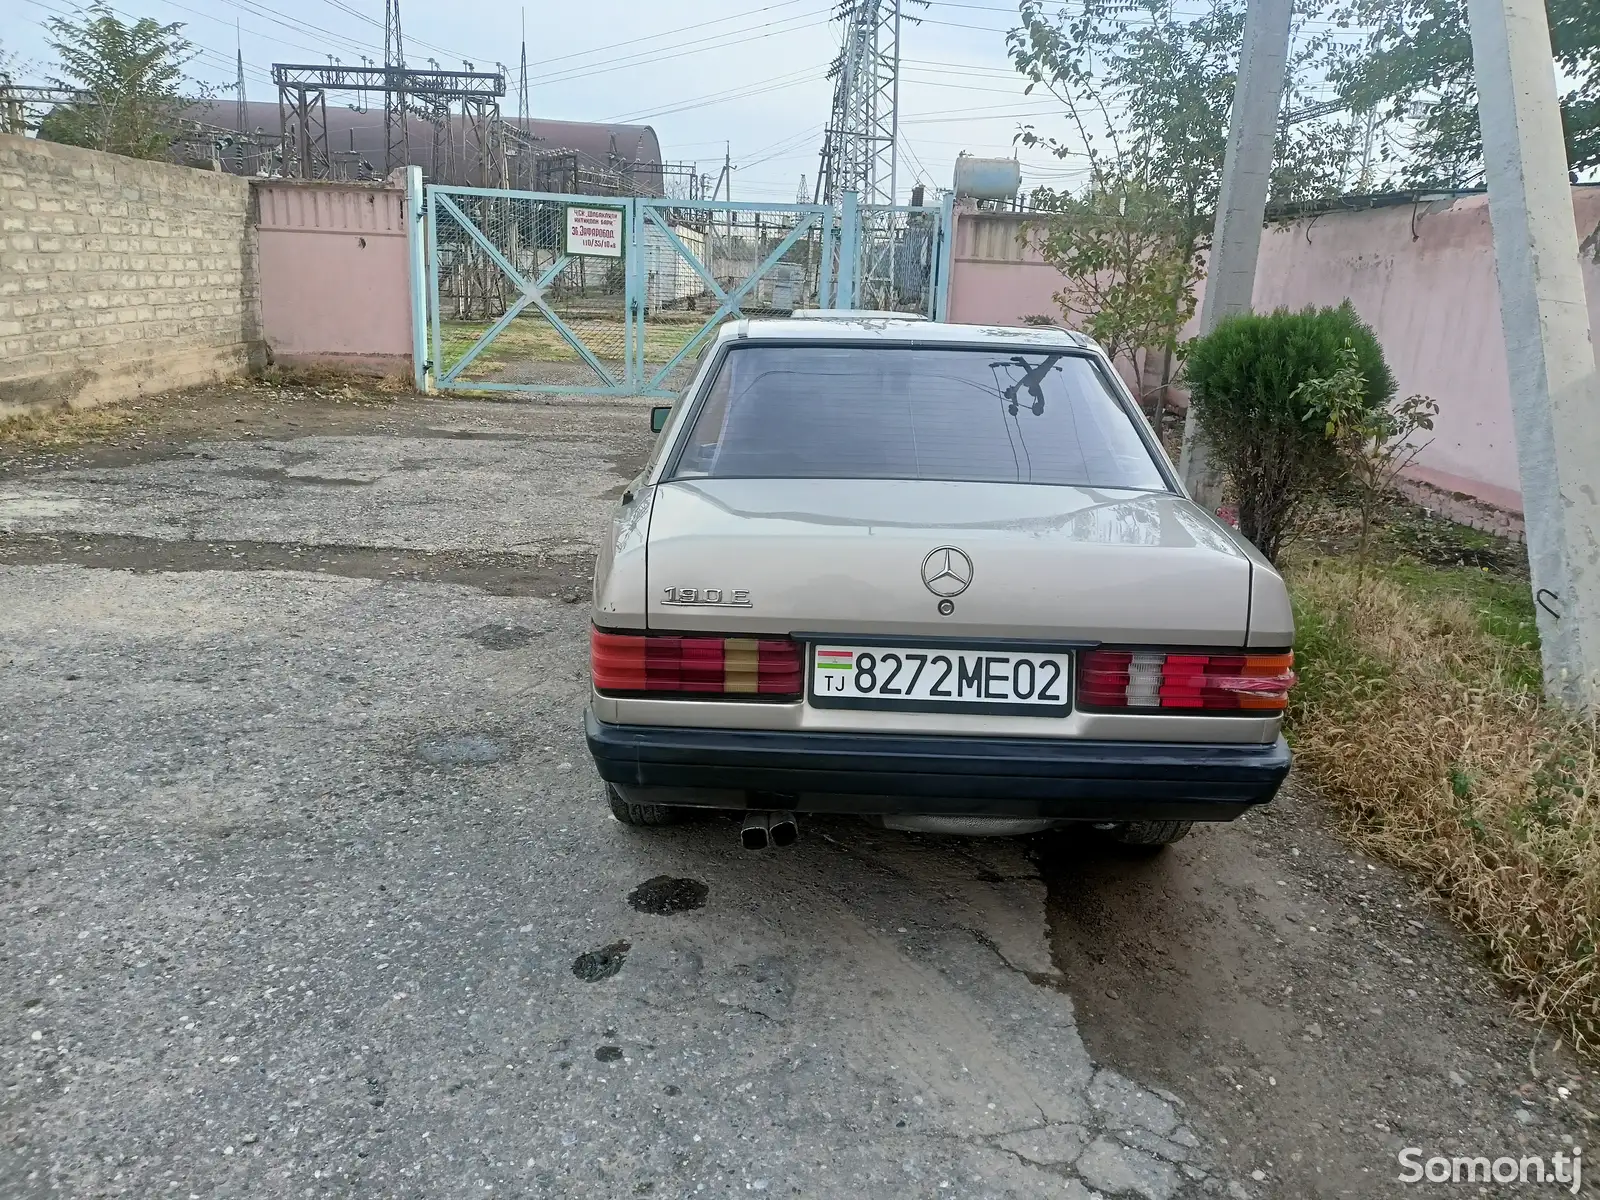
732,245
897,259
585,295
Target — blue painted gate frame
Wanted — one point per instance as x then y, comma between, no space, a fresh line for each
638,378
652,212
531,292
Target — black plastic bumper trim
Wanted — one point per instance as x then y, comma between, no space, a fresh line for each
894,773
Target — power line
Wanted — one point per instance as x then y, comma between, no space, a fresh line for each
347,43
1015,93
961,68
611,47
220,61
215,58
923,174
811,131
975,112
1026,112
317,50
794,79
798,144
652,57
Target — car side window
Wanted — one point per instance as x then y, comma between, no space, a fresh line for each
700,451
682,399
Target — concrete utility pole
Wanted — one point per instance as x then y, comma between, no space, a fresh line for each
1242,204
1555,394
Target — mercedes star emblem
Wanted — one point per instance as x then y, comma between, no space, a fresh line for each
947,571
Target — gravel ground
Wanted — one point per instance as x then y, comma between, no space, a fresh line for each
310,890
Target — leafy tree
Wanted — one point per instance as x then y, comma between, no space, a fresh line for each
1147,93
1128,262
1415,68
1261,385
1169,80
131,79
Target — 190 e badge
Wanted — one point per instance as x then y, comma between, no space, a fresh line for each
707,597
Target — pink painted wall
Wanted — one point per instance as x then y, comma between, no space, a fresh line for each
1422,276
998,278
334,287
995,277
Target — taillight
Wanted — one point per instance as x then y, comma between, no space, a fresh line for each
1210,682
719,666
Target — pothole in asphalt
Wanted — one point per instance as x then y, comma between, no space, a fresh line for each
664,895
463,750
608,1053
594,965
495,636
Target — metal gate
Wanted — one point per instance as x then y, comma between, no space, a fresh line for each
615,295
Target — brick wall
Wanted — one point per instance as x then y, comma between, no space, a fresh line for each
1464,509
119,277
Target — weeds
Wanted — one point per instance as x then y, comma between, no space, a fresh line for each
333,381
1420,716
58,427
66,427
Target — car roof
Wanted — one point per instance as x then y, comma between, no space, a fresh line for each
851,314
868,328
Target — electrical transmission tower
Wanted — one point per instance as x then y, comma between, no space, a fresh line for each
859,154
241,144
522,79
302,108
241,112
396,127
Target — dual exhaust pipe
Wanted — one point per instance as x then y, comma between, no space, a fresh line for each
764,828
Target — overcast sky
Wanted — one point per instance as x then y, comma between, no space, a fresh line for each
702,72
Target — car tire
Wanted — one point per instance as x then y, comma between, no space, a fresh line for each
1153,834
642,814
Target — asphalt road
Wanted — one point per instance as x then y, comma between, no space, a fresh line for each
307,888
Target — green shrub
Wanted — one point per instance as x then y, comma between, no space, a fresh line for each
1245,382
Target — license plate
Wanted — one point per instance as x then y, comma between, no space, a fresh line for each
921,678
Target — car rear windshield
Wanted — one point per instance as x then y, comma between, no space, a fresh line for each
877,412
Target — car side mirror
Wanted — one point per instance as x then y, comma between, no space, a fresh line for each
658,417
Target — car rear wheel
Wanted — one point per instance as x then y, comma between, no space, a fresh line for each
1151,833
630,813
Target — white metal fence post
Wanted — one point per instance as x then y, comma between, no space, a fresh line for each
416,249
845,290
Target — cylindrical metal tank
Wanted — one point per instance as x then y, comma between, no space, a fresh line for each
987,178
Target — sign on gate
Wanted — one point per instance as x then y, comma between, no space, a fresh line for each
594,231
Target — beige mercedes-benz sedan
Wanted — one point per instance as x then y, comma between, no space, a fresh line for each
940,576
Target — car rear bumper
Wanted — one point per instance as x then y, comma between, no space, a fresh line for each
947,776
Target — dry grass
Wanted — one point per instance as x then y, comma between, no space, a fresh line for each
530,338
1419,714
59,427
66,427
333,381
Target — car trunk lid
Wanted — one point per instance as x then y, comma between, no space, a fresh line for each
841,556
